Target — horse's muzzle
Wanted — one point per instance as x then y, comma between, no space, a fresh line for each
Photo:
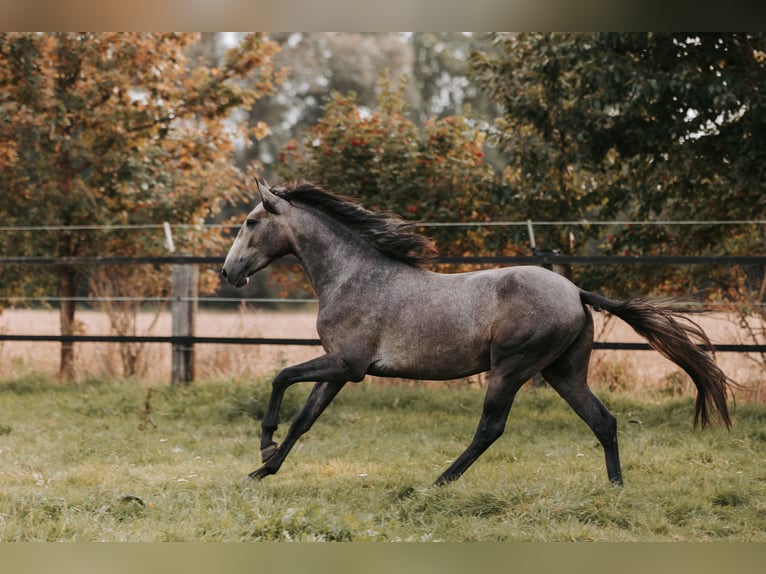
237,283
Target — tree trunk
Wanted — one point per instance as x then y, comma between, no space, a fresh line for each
68,281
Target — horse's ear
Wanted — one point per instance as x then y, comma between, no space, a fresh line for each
269,200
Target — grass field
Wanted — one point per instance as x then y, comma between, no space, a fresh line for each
87,463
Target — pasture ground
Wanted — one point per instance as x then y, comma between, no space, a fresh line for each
87,462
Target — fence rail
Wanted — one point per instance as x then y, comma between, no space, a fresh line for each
192,340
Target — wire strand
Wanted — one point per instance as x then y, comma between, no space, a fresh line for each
580,222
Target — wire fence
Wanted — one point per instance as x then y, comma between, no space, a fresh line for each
547,259
426,224
541,258
538,258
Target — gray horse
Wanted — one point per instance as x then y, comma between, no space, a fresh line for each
381,313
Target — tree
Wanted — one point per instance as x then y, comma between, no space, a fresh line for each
431,172
110,129
318,64
441,75
637,126
321,63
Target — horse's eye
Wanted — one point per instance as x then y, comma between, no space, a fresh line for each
250,223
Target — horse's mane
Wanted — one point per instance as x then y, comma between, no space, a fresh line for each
388,233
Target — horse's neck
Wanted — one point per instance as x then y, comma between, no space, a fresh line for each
332,256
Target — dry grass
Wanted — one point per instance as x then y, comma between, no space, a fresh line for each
619,370
96,360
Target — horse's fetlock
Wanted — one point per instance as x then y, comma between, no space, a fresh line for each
269,451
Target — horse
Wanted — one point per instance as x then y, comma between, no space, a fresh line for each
383,313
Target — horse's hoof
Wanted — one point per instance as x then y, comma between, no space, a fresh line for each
269,451
260,474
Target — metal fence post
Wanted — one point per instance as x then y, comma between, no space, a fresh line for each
183,308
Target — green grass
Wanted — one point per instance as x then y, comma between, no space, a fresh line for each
75,464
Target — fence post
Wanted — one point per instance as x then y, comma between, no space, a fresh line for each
183,308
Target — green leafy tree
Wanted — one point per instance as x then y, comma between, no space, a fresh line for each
638,126
110,129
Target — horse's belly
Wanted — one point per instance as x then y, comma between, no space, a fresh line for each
432,361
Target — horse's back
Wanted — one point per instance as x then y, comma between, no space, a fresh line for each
446,324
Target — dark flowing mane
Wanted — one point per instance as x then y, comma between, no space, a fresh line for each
389,234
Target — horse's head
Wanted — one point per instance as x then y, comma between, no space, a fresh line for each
262,238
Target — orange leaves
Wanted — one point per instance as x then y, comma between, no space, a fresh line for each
260,130
127,126
8,154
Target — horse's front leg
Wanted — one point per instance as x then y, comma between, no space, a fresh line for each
330,368
321,395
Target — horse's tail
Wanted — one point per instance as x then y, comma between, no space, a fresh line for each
679,339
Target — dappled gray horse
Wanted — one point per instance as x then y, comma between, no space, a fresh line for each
381,313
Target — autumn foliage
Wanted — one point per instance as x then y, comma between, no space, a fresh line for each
114,129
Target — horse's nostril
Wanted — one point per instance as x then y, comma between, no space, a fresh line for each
223,273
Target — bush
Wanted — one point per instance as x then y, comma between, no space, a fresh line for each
434,172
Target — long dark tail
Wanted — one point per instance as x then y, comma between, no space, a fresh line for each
679,339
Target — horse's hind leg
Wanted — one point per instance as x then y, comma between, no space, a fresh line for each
569,376
501,391
599,419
